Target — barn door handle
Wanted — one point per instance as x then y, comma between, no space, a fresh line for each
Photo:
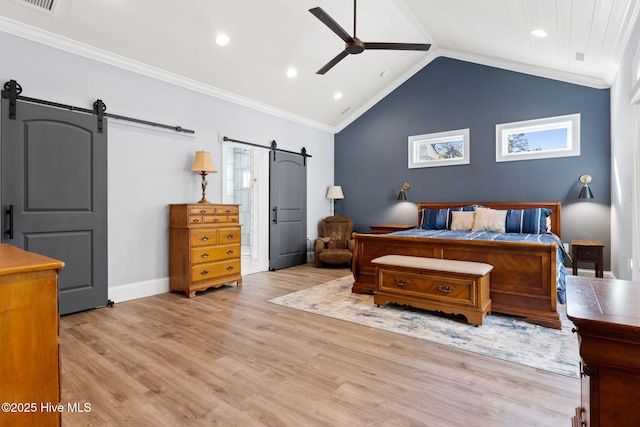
9,212
275,215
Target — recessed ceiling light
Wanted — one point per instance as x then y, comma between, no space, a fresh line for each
292,72
337,95
539,33
222,40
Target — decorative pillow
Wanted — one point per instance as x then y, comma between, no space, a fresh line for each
434,219
489,220
462,221
533,221
437,219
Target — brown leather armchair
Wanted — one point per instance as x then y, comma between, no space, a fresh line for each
334,245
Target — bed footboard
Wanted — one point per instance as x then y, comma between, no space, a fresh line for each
523,281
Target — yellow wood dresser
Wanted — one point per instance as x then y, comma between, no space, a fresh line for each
204,247
29,349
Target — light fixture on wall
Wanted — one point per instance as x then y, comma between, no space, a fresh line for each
585,193
334,192
402,195
203,165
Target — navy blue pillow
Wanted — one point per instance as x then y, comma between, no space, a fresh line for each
434,219
533,221
440,219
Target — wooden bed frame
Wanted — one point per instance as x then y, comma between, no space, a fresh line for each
523,281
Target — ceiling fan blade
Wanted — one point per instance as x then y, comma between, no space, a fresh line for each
329,22
398,46
329,65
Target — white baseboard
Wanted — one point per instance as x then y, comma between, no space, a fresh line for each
137,290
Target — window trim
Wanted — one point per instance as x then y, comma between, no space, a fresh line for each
415,141
570,122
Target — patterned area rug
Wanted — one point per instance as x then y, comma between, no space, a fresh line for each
501,336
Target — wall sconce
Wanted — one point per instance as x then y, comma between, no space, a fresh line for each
334,192
402,196
203,165
585,193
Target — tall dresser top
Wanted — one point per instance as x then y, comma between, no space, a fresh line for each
14,260
203,214
604,301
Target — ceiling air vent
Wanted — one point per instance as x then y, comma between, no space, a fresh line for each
43,5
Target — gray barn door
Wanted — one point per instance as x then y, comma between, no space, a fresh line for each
54,196
288,202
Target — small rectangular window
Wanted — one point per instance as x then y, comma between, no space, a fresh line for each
439,149
538,139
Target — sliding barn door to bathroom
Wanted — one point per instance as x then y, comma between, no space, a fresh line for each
288,203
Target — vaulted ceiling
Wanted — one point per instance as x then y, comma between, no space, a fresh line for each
175,40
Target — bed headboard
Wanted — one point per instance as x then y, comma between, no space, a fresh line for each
554,207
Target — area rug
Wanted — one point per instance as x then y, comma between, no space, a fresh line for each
504,337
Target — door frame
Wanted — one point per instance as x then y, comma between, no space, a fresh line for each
260,172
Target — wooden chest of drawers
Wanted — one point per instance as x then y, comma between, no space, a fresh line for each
607,321
204,247
29,352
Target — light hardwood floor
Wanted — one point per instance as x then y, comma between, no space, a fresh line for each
230,358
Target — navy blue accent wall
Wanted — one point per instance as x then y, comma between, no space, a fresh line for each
371,153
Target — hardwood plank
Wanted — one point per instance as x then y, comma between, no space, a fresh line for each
229,357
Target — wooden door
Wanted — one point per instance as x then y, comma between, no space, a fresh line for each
54,196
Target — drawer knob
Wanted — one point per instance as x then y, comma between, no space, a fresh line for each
229,236
230,251
204,238
445,288
402,282
204,272
228,211
205,255
229,268
234,219
216,220
202,211
196,220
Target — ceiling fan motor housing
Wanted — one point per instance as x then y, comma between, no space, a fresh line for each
355,46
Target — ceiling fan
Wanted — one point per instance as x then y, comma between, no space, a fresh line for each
354,45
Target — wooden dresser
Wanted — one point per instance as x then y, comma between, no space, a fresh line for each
204,247
29,351
607,318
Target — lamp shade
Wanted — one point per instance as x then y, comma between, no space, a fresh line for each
585,192
202,162
335,192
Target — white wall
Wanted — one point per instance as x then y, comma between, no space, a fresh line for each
148,167
623,229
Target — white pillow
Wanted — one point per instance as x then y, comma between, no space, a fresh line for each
489,220
462,221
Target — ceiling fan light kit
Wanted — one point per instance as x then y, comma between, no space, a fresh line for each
353,45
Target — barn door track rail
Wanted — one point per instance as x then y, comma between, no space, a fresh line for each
273,147
12,90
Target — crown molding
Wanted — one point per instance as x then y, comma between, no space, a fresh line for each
59,42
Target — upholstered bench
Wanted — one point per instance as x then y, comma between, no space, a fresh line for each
450,286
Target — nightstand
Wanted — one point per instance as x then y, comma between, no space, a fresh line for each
587,251
389,228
